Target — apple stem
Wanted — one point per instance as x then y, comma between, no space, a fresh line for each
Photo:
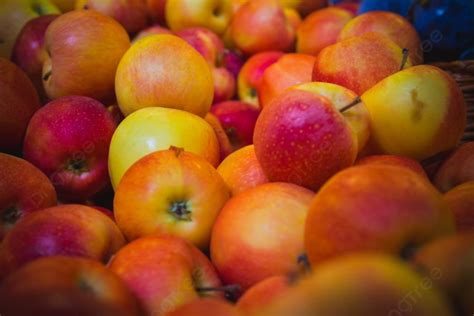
228,289
405,53
47,75
177,150
350,105
303,259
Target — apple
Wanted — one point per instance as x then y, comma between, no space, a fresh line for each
294,18
302,138
305,7
392,25
238,120
165,272
68,139
352,7
165,71
449,264
29,51
18,102
456,169
202,307
156,9
343,287
377,58
170,192
224,84
261,25
264,246
241,170
233,61
287,71
69,229
393,160
14,14
212,14
205,41
24,189
251,74
152,30
151,129
95,42
225,147
132,14
61,285
461,202
381,208
321,29
426,102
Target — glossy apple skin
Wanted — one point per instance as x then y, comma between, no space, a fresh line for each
251,74
146,199
289,70
461,201
212,14
238,120
224,84
374,208
24,189
261,25
164,272
18,102
301,138
345,280
263,293
131,14
357,117
241,170
225,147
417,112
29,51
392,25
163,70
393,160
452,258
68,139
155,128
156,9
456,169
85,48
152,30
321,29
205,41
202,307
377,58
264,246
82,286
69,229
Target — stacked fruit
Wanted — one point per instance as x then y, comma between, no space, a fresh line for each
229,157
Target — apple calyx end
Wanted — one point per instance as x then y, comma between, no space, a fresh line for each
77,166
10,215
180,211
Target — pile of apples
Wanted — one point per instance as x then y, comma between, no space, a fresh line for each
229,157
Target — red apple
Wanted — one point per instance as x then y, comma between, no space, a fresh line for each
205,41
393,160
152,30
225,147
233,61
156,9
461,201
68,139
205,307
224,84
24,189
456,169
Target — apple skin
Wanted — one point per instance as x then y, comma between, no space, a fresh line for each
131,14
225,147
301,138
29,51
205,41
287,71
151,129
62,285
393,160
156,9
165,71
379,208
69,229
461,201
212,14
18,102
238,120
393,288
152,30
170,192
202,307
261,25
251,74
241,170
164,272
24,189
68,139
352,7
224,84
451,260
233,61
304,7
85,48
377,58
64,5
392,25
264,246
263,293
456,169
321,29
417,112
